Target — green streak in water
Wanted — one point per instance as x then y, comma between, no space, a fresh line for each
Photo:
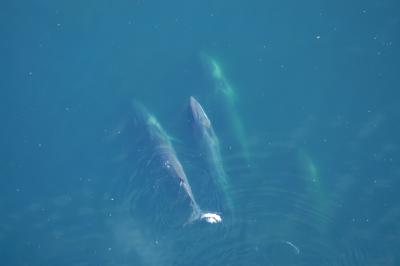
223,86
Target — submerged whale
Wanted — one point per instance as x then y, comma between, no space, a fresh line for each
229,97
167,156
209,143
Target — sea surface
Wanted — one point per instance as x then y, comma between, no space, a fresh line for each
302,96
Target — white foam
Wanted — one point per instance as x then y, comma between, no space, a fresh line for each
211,218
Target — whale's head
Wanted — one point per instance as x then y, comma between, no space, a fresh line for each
199,116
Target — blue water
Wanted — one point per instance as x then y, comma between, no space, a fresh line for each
308,138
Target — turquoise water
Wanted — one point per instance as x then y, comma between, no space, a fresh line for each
302,97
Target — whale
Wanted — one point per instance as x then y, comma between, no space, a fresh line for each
210,146
229,100
168,159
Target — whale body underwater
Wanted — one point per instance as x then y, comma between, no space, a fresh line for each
168,158
209,142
